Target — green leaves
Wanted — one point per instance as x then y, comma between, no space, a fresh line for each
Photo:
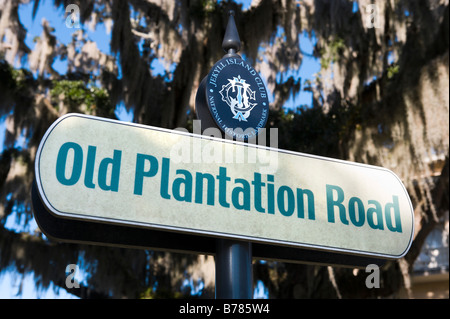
392,70
332,53
76,94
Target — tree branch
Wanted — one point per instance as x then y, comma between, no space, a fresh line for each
440,199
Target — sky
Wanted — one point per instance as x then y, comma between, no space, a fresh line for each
10,283
57,19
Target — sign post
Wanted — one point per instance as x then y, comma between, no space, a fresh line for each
234,99
234,275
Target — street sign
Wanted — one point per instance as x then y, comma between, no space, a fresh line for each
97,233
101,171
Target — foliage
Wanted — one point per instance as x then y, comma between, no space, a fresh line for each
76,93
392,71
332,53
381,97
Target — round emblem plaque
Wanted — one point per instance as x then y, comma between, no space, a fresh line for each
233,96
237,98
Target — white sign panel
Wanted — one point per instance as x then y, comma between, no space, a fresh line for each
98,169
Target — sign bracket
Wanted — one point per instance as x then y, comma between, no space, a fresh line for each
234,276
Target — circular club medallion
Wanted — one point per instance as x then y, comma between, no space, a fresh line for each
237,98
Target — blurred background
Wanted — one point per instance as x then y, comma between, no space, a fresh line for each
365,81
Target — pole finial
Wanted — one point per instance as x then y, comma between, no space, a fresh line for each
231,41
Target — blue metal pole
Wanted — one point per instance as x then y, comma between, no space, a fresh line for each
234,275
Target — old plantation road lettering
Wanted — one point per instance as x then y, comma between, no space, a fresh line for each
245,195
103,170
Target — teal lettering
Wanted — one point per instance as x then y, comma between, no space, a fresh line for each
178,182
164,190
388,215
199,177
283,199
245,191
355,201
301,205
115,172
223,178
338,202
270,195
289,210
258,185
90,163
358,214
140,173
61,162
375,211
